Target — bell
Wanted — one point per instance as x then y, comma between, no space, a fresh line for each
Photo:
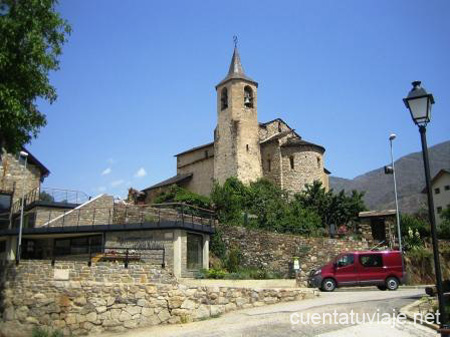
247,100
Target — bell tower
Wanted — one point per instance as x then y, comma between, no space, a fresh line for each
236,137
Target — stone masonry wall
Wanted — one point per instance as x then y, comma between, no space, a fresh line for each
308,167
98,211
12,171
80,300
275,252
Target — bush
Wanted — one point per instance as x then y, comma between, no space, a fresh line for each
217,245
41,332
444,228
415,223
233,260
182,195
413,240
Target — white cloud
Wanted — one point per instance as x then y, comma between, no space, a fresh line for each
140,173
106,171
116,183
111,161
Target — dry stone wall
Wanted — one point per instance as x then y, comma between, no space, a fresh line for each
81,300
274,251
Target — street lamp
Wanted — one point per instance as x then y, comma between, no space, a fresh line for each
24,155
419,103
391,138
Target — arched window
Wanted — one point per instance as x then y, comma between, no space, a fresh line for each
248,97
291,162
318,162
224,98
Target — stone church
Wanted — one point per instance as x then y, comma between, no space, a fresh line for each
245,148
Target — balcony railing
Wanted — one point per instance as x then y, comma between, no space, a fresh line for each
53,196
120,214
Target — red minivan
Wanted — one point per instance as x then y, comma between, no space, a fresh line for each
383,269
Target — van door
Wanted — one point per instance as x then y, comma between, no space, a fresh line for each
371,269
345,270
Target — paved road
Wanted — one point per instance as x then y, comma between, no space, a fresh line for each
275,320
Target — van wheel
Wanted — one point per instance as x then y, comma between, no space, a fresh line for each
328,285
383,287
392,283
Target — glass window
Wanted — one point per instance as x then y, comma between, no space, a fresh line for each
346,260
5,202
372,260
439,209
447,187
437,191
62,247
194,251
2,246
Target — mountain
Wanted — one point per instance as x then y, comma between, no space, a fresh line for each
409,171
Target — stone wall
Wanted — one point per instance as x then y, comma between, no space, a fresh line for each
145,239
236,142
274,252
11,171
203,174
271,151
308,167
98,211
81,300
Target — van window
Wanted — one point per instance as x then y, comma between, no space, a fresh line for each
372,260
345,260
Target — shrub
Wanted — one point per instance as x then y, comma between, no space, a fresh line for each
415,223
217,245
182,195
41,332
233,260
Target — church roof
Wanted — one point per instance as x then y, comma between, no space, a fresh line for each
173,180
277,136
301,142
195,149
236,70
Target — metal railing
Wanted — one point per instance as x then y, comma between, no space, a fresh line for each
51,195
155,254
119,214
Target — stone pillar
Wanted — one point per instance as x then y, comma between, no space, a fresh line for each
177,252
205,251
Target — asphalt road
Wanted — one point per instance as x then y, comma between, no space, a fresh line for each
276,320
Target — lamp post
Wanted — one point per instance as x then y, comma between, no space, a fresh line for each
419,103
391,138
24,155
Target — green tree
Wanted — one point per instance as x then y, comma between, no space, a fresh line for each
229,201
32,35
333,208
444,228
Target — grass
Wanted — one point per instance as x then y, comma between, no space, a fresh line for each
41,332
241,274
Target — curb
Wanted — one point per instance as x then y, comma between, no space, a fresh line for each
410,316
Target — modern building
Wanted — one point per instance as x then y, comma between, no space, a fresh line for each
62,224
245,148
440,186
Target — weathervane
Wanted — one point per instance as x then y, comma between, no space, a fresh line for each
235,40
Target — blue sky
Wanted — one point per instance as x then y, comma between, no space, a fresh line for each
137,78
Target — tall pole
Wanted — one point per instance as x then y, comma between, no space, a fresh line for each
396,196
437,264
19,241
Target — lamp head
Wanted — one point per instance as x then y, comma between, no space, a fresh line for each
23,154
392,136
419,103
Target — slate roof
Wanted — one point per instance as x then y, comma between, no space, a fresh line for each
236,70
301,142
173,180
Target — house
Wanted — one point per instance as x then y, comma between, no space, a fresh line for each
440,187
378,227
244,148
63,224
